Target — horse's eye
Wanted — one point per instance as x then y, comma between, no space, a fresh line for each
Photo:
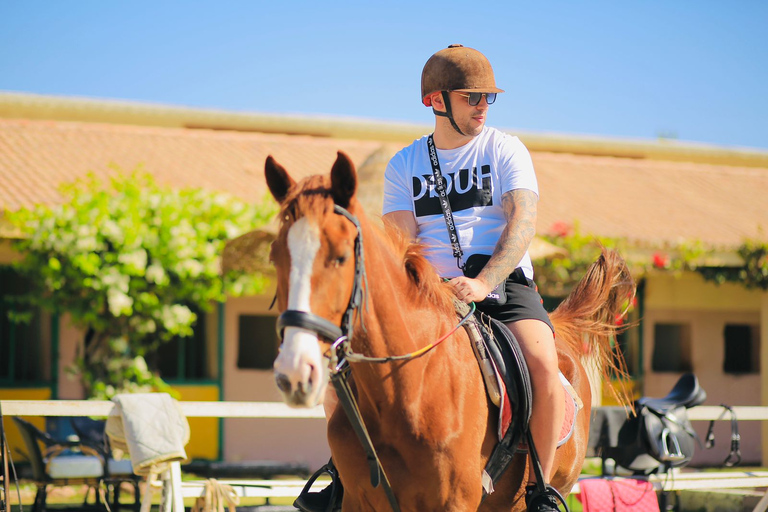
339,261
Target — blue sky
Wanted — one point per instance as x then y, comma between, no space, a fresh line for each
692,70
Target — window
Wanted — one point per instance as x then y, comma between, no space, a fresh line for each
742,349
671,348
24,354
192,358
257,342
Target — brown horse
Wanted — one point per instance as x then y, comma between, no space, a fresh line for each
428,415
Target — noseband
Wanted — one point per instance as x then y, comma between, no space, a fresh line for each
319,325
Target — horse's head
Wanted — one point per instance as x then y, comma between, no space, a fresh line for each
315,258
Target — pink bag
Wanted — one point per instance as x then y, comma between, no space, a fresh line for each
617,495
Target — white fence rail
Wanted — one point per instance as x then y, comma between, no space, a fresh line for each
189,409
270,410
280,410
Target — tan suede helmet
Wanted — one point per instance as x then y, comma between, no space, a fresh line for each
457,68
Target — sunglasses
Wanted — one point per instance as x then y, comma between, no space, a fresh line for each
473,98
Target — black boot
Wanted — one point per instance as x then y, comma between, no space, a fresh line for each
547,500
327,500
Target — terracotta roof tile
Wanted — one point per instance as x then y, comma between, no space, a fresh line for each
653,201
642,199
37,156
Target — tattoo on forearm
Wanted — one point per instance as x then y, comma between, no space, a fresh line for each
520,207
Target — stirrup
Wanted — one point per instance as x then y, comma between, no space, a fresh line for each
547,494
316,501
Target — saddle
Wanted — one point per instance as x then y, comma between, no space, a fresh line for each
497,350
659,436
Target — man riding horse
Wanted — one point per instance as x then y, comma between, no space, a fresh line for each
469,193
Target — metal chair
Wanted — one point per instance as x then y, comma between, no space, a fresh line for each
60,463
116,471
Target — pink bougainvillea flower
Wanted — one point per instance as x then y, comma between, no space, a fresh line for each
660,260
561,229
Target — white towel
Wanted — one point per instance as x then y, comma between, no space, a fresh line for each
151,427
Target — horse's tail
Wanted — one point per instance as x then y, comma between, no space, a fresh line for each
589,318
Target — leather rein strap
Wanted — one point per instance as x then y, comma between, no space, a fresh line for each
340,370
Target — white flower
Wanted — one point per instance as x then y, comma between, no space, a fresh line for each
192,268
176,315
232,229
156,274
119,345
135,261
143,325
86,244
140,364
112,231
118,302
112,278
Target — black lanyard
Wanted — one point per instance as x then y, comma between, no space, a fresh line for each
445,204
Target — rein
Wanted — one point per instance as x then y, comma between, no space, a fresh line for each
354,357
341,353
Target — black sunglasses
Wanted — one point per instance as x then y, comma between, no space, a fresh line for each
474,97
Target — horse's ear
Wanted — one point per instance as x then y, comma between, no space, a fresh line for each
343,180
278,180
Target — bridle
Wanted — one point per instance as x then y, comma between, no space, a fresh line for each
340,336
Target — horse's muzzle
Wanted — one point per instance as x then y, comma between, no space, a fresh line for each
300,394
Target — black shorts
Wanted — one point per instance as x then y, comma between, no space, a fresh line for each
523,302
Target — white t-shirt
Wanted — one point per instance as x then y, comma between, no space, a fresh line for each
476,174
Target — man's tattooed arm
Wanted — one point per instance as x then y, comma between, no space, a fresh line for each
520,208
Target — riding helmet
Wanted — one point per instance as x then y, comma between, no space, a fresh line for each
457,68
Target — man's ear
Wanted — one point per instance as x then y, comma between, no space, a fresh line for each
437,101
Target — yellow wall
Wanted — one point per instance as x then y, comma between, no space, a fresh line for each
204,432
691,291
15,442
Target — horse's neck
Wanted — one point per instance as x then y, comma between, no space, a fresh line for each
392,301
396,320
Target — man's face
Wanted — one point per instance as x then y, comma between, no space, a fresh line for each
469,119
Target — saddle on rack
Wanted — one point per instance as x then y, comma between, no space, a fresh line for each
659,436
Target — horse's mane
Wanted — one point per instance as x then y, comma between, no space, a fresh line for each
313,196
425,280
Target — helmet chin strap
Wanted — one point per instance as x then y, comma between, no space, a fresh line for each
448,113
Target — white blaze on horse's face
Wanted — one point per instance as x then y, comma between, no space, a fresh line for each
300,365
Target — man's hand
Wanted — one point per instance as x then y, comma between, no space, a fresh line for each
470,290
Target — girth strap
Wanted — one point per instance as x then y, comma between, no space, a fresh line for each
348,402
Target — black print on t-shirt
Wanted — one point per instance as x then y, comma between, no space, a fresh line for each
466,189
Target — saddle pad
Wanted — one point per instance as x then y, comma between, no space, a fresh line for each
572,406
625,495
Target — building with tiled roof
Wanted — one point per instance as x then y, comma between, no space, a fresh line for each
653,193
